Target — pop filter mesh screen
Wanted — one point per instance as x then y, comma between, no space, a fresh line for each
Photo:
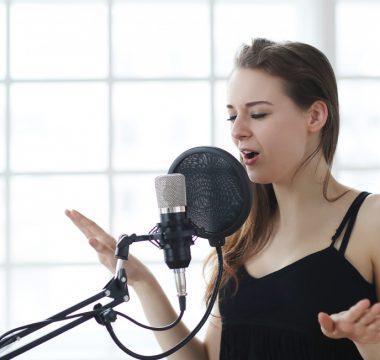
218,190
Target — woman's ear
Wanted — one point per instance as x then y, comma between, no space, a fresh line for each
318,113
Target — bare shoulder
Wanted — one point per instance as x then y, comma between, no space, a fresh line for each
370,222
371,212
370,229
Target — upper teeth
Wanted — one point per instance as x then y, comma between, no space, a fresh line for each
249,152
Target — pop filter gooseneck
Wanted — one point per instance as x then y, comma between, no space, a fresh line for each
218,190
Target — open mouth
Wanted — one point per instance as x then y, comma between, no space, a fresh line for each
251,155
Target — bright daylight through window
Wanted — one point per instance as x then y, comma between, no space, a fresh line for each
98,97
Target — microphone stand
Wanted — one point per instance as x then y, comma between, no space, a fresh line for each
116,289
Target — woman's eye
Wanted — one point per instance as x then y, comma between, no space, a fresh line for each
253,116
258,115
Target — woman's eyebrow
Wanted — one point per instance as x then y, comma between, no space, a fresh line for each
252,103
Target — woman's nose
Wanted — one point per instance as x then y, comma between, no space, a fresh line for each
240,128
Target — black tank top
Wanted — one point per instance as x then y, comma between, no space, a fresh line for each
275,317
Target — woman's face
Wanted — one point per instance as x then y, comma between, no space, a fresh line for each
268,128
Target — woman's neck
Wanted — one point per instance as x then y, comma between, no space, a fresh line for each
306,194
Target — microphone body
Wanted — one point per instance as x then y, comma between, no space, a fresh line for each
175,228
176,240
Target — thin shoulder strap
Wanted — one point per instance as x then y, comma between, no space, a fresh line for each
349,221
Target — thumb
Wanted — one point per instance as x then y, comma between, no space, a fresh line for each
97,245
326,323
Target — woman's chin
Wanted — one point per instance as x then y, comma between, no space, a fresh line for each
257,179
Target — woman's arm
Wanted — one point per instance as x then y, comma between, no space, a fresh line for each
214,334
361,323
150,294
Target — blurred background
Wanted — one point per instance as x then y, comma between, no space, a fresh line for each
99,97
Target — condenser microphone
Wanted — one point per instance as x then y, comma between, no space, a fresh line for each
175,228
207,194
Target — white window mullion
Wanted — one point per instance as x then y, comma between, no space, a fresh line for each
8,260
111,188
327,29
317,25
212,72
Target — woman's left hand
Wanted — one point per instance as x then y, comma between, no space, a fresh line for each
360,323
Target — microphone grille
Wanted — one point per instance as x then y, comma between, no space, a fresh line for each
170,190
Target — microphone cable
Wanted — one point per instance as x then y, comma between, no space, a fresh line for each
13,335
148,327
192,333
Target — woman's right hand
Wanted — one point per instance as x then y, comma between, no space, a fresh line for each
105,245
148,290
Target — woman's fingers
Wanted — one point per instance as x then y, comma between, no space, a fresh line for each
89,228
361,323
84,224
355,312
105,245
372,315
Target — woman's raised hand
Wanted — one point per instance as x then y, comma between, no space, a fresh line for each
360,323
105,245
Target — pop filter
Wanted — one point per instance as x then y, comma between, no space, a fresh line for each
218,190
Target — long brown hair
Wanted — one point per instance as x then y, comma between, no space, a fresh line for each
308,77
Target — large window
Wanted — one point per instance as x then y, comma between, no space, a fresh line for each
357,59
98,97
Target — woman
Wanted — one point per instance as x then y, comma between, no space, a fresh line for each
303,273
